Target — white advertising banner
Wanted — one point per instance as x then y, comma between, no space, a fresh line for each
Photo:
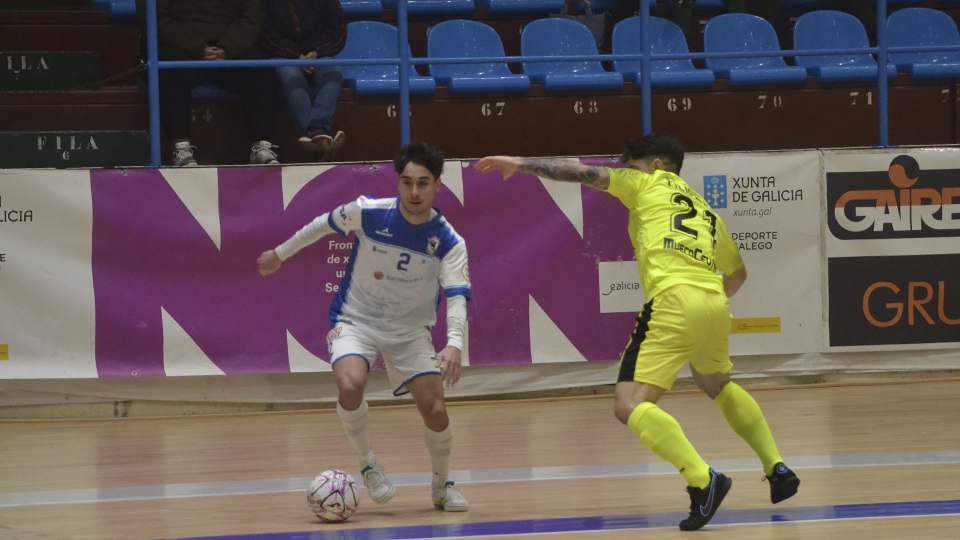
46,282
770,203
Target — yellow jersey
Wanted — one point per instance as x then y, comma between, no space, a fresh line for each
677,237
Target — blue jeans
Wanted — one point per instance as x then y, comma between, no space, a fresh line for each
319,114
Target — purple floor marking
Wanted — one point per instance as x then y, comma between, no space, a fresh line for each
611,523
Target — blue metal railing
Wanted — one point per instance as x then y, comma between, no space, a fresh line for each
882,101
404,61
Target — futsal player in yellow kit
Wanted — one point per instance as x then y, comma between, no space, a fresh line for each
680,245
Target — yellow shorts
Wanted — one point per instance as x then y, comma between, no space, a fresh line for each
683,324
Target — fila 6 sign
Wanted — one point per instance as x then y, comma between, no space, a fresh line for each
893,251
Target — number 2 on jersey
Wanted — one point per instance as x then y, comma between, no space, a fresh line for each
404,261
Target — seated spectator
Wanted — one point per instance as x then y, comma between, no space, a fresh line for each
212,30
303,29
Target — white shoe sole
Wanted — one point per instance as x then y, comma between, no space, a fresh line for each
386,498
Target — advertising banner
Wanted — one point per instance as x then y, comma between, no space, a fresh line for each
770,203
142,273
893,248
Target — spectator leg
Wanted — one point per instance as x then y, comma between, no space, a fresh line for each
294,86
329,80
175,100
257,89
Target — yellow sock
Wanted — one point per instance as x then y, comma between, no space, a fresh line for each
661,433
744,416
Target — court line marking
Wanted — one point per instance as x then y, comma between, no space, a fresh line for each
638,522
291,485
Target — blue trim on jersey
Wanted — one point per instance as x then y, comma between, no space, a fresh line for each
332,362
398,393
336,306
458,291
333,223
388,226
447,240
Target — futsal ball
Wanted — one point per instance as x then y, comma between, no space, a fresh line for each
333,495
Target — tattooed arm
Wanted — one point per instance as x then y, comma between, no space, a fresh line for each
555,169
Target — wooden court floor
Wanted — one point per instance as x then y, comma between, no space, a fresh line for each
876,461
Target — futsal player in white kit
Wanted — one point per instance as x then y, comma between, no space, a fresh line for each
405,252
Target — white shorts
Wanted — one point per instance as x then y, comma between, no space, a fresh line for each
406,356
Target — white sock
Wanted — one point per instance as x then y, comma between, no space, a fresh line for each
440,446
355,424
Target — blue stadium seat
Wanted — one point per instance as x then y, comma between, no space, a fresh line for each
119,10
541,7
742,33
805,5
892,3
819,30
915,27
700,6
709,5
372,39
436,8
461,38
362,8
665,37
564,37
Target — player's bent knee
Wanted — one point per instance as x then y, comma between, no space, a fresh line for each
436,420
350,399
351,391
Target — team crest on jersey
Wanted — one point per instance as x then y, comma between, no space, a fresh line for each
333,334
432,244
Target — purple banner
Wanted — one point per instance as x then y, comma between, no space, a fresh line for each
150,252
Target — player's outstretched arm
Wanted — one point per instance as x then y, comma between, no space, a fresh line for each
269,262
448,361
562,170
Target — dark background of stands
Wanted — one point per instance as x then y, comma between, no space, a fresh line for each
43,127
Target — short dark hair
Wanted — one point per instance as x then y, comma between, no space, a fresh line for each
422,154
653,146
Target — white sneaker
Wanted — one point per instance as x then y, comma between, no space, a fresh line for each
449,499
183,155
336,143
261,154
379,488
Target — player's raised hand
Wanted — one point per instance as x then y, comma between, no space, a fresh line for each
269,262
507,164
448,361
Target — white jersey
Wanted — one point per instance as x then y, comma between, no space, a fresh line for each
396,270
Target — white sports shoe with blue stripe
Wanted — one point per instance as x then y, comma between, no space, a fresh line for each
378,486
449,499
